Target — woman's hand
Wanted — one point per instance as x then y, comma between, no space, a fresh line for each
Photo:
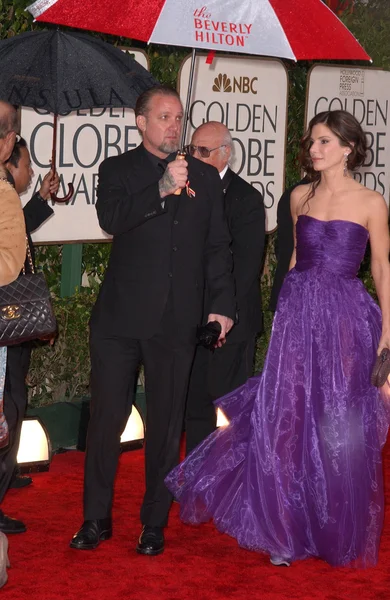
384,342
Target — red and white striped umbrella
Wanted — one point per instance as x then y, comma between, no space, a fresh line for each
295,29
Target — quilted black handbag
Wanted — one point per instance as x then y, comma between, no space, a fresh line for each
26,312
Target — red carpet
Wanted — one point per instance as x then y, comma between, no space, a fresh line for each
198,563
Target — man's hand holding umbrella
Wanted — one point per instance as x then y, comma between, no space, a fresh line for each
175,177
50,185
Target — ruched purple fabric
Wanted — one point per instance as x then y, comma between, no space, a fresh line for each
298,471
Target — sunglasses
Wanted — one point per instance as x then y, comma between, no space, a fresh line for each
203,151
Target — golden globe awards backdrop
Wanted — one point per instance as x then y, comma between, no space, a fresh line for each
248,95
84,139
365,93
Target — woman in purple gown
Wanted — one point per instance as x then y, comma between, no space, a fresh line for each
298,470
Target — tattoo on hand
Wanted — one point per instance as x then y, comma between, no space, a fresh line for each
167,183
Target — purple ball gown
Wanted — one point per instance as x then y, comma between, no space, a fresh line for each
298,470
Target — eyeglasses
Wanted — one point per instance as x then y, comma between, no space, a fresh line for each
203,151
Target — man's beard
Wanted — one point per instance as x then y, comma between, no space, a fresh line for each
169,146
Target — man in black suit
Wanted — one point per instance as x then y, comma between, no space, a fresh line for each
217,373
36,211
165,248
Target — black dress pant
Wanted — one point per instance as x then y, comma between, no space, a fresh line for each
214,374
167,362
15,404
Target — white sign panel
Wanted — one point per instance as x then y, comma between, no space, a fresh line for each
248,95
365,93
84,139
232,25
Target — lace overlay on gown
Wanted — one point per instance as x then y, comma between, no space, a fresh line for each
298,470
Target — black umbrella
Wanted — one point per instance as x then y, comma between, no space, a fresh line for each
61,72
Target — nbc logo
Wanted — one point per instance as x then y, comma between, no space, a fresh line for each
243,84
222,83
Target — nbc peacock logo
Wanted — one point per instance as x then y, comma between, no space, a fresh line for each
222,83
241,85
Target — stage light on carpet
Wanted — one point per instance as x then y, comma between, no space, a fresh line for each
34,452
134,432
221,419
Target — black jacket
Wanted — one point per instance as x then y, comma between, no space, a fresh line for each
177,247
284,243
244,209
36,211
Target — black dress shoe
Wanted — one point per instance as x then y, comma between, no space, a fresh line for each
20,481
9,525
92,533
151,541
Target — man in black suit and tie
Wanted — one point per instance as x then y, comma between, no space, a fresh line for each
165,248
217,373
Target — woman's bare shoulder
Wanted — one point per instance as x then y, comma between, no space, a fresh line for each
367,199
298,196
300,191
375,203
370,205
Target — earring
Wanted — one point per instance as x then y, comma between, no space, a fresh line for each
346,155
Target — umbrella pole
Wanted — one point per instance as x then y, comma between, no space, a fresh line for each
53,165
54,147
181,153
188,101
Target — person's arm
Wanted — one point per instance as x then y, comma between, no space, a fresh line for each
248,239
284,246
36,211
295,199
285,239
298,197
380,267
12,234
219,264
119,211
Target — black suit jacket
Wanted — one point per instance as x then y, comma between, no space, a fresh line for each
244,209
36,211
176,246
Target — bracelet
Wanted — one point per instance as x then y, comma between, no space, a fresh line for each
38,195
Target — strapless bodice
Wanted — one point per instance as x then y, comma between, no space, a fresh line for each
336,246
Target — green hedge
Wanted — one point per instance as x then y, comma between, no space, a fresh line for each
62,372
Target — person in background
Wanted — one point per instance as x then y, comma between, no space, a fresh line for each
36,211
215,373
12,257
284,245
164,248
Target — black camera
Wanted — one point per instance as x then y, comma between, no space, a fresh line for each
207,335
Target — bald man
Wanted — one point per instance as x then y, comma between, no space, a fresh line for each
217,373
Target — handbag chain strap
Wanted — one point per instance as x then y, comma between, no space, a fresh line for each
29,257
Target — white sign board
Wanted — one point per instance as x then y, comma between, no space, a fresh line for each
84,139
248,95
365,93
